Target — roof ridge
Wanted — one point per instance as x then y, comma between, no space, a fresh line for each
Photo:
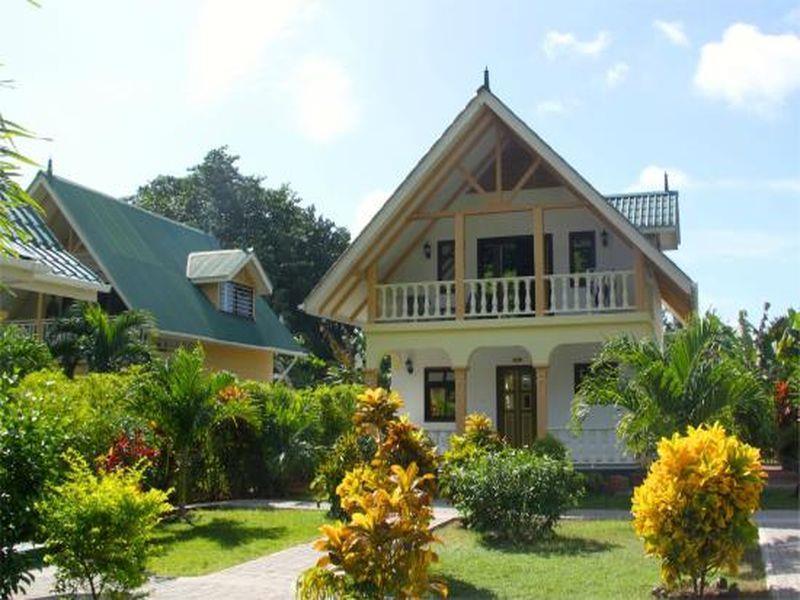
643,193
128,204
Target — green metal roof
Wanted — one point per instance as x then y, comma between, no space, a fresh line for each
40,245
648,211
213,264
144,255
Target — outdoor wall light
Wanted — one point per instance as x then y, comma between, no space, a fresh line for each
426,249
409,365
604,237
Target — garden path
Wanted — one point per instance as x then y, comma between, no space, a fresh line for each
779,537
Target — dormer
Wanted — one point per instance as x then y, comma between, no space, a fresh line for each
231,279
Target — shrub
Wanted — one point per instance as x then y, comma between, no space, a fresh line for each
21,354
694,511
336,405
479,437
514,493
551,446
98,528
349,451
383,550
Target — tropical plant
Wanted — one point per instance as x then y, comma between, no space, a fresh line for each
186,402
349,451
98,528
336,404
514,493
695,509
384,547
105,342
21,353
698,376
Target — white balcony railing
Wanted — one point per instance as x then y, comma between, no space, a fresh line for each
591,292
593,446
602,291
29,326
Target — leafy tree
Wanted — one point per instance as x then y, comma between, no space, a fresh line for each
12,196
187,402
21,354
699,376
105,342
294,243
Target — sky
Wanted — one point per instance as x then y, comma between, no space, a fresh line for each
340,99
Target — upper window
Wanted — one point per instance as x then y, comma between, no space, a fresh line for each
440,395
446,260
236,299
582,252
505,256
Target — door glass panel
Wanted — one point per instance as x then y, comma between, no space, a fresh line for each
526,381
508,402
527,401
508,381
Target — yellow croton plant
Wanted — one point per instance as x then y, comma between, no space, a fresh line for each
384,548
695,508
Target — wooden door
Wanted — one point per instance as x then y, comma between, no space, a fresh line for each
516,404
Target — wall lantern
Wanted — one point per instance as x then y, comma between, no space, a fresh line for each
426,249
409,365
604,237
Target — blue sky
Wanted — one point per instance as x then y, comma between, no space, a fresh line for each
341,99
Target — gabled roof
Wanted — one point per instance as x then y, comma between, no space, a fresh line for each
39,252
144,256
392,210
648,211
212,266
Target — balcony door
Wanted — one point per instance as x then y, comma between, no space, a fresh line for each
516,404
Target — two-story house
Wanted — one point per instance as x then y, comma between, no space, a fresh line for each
493,274
86,245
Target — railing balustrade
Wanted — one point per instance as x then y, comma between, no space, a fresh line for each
497,297
593,446
29,325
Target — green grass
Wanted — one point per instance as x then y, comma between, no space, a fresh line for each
219,538
771,499
586,559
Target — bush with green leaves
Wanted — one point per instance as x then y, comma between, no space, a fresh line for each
98,528
21,353
336,405
551,446
514,493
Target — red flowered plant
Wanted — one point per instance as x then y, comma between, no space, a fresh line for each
127,451
231,393
783,406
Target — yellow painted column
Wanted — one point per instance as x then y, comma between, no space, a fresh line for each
40,316
541,401
461,397
371,378
538,260
372,293
458,242
638,273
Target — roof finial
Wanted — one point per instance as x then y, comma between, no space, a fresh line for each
49,168
486,78
666,182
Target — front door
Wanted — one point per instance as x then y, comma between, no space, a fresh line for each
516,404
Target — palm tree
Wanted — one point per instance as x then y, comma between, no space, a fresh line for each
106,343
698,376
184,401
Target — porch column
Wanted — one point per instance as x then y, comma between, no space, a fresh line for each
541,401
638,274
460,374
458,242
40,315
371,378
372,292
538,259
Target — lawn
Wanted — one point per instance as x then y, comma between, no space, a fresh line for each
219,538
586,559
772,498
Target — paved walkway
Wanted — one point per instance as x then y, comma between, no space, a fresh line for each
273,577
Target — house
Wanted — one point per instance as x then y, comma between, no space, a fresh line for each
493,274
87,245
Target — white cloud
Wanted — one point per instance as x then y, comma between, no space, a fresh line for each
617,74
652,178
230,37
557,42
551,107
750,70
366,208
738,244
324,101
673,31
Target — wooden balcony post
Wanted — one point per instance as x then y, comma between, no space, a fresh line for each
638,275
538,259
460,374
458,241
40,316
372,292
541,401
371,378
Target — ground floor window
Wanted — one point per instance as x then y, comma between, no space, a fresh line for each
440,394
581,370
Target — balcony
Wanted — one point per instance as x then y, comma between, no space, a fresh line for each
506,297
30,326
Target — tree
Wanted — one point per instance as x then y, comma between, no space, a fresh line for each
187,402
699,377
107,343
294,243
12,196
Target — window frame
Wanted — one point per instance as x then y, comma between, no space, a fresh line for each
579,371
236,286
440,245
428,386
574,236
